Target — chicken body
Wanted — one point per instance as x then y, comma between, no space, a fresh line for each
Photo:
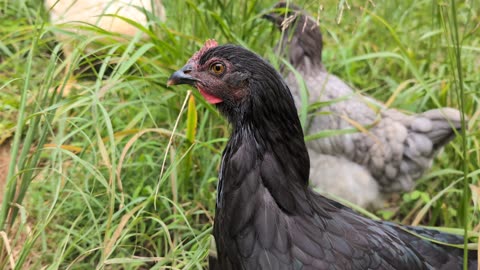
109,15
101,13
392,151
267,217
93,11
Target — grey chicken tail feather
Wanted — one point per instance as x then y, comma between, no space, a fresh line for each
445,123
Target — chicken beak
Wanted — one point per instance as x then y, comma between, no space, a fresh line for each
182,76
269,17
276,15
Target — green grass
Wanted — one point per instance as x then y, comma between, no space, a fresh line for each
121,173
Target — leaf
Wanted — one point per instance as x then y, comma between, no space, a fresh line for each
397,91
302,87
111,241
475,195
71,148
429,204
191,119
329,133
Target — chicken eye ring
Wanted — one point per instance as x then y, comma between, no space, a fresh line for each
217,68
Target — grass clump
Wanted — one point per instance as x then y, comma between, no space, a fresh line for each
121,172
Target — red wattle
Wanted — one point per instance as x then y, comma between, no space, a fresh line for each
208,97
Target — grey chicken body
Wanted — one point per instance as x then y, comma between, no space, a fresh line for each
392,151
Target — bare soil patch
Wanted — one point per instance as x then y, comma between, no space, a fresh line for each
4,163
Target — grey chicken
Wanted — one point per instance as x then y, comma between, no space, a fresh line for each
361,167
266,215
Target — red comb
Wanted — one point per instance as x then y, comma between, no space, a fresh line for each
210,43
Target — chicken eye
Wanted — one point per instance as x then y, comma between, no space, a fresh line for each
217,68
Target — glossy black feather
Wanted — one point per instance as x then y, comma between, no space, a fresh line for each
268,218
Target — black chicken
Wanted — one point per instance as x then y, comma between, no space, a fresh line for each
361,167
267,217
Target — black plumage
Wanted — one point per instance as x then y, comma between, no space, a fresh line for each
267,217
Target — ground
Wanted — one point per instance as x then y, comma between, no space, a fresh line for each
4,162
